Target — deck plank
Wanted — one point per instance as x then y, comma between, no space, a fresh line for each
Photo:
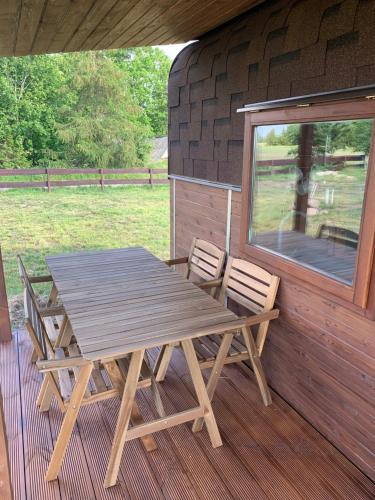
9,380
268,452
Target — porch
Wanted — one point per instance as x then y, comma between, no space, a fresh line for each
268,452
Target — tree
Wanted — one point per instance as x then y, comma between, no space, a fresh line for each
30,97
148,70
102,126
359,137
271,139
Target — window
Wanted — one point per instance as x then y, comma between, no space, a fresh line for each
308,190
306,194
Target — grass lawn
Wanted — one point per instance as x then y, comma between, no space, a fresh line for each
36,223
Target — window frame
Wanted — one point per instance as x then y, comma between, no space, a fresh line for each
358,292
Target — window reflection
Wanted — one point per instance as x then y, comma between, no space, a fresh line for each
308,189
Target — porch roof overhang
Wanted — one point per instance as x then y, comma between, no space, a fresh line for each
50,26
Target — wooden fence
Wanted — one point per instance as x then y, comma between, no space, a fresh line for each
101,178
288,165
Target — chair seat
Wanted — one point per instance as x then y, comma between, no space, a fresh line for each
207,348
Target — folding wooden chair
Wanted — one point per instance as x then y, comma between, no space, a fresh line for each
205,261
55,319
74,381
255,289
29,280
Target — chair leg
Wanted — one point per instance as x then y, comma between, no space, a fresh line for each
34,357
48,389
215,374
124,418
52,296
69,421
65,335
162,362
200,389
257,366
261,336
148,372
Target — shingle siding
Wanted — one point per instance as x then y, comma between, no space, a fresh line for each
280,49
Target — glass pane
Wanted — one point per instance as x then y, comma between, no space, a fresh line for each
308,188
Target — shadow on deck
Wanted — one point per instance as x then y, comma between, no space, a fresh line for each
268,452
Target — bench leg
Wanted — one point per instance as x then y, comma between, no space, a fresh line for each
257,366
124,418
215,374
201,392
70,418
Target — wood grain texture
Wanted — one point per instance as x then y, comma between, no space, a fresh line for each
50,26
319,354
122,300
267,452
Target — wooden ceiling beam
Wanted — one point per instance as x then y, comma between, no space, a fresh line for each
50,26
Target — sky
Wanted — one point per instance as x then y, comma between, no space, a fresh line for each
173,50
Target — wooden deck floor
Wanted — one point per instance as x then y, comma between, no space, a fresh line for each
268,452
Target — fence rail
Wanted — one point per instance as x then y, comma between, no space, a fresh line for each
48,182
335,162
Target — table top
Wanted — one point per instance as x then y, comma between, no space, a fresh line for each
122,300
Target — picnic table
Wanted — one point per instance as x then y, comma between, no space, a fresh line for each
123,302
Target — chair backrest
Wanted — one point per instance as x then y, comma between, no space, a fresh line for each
249,285
339,235
205,260
22,272
35,325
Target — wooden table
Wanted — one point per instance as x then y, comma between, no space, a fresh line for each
125,301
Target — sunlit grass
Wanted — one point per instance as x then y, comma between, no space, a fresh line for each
36,223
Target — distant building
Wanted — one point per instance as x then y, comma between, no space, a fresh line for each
159,150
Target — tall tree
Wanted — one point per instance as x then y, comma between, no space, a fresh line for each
30,97
102,126
148,70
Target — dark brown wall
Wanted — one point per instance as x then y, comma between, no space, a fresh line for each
280,49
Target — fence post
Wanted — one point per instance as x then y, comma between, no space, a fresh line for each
150,172
48,180
101,178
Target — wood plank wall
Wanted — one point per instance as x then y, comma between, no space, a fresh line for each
319,356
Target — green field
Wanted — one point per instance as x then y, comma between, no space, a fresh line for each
36,223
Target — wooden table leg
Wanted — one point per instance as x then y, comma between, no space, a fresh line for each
124,418
69,421
215,374
118,381
162,362
201,392
257,365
